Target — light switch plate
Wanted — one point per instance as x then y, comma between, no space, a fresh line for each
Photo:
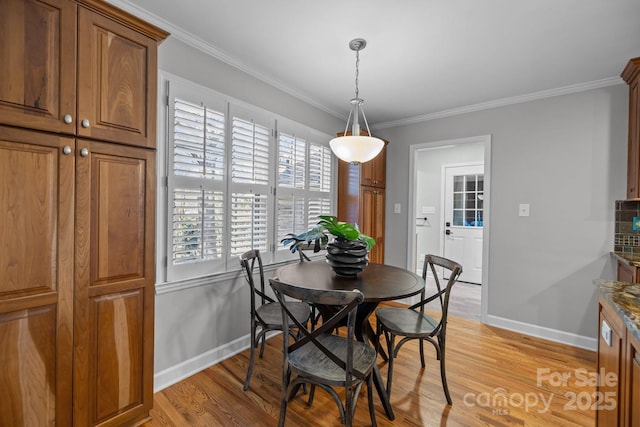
523,209
397,208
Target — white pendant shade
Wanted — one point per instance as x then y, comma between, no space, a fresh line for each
356,149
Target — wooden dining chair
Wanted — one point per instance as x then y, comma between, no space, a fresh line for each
322,359
413,323
265,311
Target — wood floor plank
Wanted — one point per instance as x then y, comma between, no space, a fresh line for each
496,378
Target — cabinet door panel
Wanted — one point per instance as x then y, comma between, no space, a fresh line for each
117,362
632,398
372,201
116,91
37,63
374,172
36,278
610,361
114,283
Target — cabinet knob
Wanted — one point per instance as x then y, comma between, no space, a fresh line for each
68,119
66,149
84,152
85,123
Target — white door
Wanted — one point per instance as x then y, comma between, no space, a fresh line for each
463,218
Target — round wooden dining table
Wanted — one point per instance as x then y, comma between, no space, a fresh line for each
378,282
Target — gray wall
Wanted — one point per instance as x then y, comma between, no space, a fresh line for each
566,156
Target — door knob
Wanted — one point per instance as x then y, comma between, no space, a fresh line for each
68,119
85,123
84,152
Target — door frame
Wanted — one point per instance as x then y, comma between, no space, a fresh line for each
486,230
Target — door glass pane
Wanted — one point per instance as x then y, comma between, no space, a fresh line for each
457,201
468,200
458,183
457,217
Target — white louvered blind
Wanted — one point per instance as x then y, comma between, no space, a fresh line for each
249,152
320,162
292,153
291,216
198,221
249,222
198,141
234,183
197,211
318,206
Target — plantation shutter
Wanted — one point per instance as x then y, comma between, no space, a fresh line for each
251,175
320,175
196,185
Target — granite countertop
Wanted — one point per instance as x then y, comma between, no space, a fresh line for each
631,259
625,299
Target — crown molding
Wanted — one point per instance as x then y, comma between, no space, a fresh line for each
581,87
213,51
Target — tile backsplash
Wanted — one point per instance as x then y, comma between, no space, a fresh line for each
627,236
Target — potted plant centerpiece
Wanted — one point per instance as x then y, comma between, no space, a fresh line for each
347,253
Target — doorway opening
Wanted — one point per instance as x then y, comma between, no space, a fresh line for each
449,214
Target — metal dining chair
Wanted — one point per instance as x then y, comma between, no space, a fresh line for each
265,311
413,323
322,359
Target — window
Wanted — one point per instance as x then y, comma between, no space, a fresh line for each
238,178
303,184
468,200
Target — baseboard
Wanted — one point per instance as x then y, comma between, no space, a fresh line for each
567,338
177,373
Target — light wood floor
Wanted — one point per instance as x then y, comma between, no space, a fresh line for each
492,373
464,301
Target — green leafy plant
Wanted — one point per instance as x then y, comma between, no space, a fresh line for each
318,234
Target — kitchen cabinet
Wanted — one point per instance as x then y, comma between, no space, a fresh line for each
632,394
361,199
111,97
627,273
618,362
36,278
374,172
611,348
77,213
631,75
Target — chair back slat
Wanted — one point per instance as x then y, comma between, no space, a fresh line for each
346,303
439,268
248,261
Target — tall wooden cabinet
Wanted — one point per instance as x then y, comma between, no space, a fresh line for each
631,75
77,212
361,199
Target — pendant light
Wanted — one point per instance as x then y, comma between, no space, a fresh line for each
356,148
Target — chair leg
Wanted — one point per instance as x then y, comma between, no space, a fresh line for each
348,407
422,353
372,412
245,387
263,339
390,338
443,374
283,399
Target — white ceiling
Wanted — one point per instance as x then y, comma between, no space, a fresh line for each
423,57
